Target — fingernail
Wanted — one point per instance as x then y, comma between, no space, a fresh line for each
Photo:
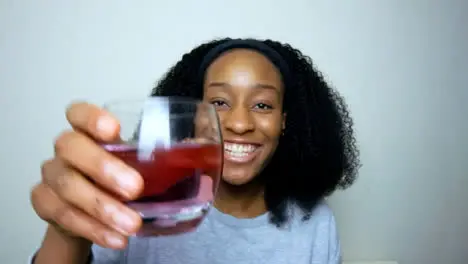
113,240
125,178
122,222
105,124
125,223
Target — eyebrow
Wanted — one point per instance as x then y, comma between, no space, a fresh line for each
258,85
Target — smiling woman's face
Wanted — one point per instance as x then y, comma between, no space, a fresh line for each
247,91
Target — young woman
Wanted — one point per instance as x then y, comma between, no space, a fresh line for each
269,208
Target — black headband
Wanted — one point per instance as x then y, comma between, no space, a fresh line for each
252,44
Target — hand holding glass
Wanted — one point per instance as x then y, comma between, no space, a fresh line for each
176,146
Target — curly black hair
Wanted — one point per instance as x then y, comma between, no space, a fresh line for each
317,153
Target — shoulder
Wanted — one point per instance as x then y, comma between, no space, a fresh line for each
324,220
321,225
322,209
321,215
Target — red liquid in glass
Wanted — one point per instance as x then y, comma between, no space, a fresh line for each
178,184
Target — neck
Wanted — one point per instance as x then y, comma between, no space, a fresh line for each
246,201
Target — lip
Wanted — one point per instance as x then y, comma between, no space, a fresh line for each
241,141
248,157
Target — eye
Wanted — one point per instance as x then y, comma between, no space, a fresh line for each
263,106
218,103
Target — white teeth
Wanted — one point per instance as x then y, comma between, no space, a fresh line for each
240,150
237,155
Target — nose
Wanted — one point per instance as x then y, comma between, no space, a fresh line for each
238,120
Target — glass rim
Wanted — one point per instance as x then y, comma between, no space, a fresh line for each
126,107
128,114
170,99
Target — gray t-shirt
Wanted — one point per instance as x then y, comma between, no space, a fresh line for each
223,239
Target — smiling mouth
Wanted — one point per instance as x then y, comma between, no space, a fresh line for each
240,153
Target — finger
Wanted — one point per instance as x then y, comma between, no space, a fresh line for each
85,155
70,186
93,120
50,208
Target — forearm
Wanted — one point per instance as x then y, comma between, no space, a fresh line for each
60,248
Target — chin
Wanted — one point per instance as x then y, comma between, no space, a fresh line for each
237,179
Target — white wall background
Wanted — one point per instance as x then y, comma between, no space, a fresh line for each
402,65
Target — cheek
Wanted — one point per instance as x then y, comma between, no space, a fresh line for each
221,115
270,126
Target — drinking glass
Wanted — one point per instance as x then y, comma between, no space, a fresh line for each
176,146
